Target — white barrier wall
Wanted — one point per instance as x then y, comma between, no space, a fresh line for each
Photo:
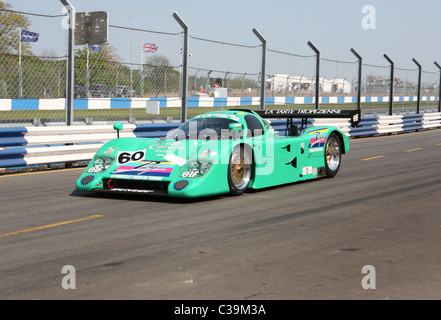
44,145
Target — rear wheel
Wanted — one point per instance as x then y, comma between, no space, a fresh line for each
239,170
332,155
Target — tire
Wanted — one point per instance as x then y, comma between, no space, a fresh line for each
332,155
239,170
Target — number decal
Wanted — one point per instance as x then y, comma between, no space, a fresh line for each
138,155
126,156
123,157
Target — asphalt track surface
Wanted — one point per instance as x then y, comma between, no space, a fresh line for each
306,240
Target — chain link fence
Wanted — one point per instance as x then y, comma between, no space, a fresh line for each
291,75
31,66
113,81
219,70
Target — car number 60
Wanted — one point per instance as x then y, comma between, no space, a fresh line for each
124,157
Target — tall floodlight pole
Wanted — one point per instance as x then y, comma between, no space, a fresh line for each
439,87
263,67
317,73
70,61
360,63
184,76
391,88
419,85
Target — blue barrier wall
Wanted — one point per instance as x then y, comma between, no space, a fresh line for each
125,103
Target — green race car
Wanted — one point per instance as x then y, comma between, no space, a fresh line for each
220,152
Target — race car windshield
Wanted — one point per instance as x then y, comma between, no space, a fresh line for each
203,129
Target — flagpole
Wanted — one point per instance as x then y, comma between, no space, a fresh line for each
142,78
87,71
20,81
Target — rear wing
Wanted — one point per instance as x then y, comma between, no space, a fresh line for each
353,115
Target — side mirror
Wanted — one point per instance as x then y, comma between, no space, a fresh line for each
118,126
235,126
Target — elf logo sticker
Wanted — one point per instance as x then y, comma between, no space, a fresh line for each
189,174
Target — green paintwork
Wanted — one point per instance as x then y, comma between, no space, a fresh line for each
277,160
118,126
235,126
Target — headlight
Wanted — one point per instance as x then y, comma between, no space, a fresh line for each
107,163
101,164
98,163
194,166
197,168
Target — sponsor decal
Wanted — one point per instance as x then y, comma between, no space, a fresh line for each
132,190
95,170
144,178
175,159
180,185
318,138
208,153
189,174
316,150
302,112
166,147
110,150
146,168
218,115
86,180
306,170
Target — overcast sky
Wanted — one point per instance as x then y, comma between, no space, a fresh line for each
403,29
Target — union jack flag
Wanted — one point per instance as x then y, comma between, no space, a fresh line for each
149,47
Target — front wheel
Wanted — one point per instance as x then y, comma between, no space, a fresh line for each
239,170
332,155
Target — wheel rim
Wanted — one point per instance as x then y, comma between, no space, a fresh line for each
240,171
333,154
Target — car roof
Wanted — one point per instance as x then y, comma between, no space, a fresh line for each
234,114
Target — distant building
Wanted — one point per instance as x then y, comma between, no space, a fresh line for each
286,83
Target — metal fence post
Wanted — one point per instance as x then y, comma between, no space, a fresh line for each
20,67
263,75
184,76
70,61
360,63
419,85
317,73
391,89
439,87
